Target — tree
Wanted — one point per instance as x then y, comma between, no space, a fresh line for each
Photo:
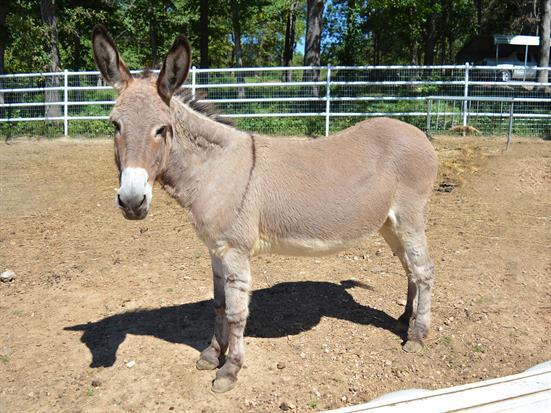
153,32
430,33
545,32
3,44
236,25
204,33
47,11
289,43
478,16
3,34
48,14
312,44
238,53
346,38
352,35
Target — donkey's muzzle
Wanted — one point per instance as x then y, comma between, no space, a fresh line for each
123,205
133,210
134,194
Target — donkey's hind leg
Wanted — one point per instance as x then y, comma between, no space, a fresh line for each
210,357
406,236
396,245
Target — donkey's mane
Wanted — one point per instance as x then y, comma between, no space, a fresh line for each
206,108
147,73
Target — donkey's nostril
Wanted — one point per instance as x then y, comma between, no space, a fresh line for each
121,204
141,203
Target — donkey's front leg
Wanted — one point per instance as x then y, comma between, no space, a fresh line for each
237,277
210,357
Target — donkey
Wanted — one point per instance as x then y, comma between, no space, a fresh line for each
249,194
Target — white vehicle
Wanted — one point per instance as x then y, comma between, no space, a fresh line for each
513,67
520,64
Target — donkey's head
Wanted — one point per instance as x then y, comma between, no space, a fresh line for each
141,118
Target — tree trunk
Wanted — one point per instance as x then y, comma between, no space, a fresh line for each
289,45
545,30
204,33
237,45
153,37
376,48
312,46
430,39
47,11
3,34
413,60
479,16
443,50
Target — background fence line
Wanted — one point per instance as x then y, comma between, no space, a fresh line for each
435,98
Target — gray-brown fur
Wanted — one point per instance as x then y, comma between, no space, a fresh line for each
249,194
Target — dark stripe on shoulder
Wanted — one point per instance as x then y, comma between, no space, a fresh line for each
251,170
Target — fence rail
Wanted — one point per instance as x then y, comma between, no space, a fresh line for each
299,100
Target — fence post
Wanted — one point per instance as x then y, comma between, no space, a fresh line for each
193,82
510,133
429,112
65,103
465,102
327,100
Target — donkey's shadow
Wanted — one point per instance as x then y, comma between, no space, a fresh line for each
281,310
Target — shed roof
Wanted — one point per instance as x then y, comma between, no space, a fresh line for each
517,40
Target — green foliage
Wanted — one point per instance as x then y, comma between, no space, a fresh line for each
288,126
347,38
355,32
26,49
76,46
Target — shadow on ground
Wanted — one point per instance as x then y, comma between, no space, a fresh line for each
281,310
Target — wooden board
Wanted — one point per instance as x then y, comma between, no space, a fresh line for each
525,392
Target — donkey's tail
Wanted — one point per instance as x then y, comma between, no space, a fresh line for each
355,283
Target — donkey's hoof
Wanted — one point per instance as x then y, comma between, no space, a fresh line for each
413,346
223,384
204,364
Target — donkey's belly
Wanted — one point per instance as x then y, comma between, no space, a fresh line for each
302,247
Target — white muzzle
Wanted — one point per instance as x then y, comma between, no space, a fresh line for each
135,193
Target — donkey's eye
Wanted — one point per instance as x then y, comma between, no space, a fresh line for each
161,131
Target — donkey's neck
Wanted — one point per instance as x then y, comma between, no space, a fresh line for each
200,129
182,176
201,148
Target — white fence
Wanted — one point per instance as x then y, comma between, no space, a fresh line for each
299,100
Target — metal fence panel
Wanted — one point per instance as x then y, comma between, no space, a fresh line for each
296,100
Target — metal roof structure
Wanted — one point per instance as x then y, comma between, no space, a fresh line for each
517,40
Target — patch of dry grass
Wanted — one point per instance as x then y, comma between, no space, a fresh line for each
460,158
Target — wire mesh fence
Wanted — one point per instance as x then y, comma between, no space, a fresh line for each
298,100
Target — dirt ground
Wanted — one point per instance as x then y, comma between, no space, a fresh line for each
95,294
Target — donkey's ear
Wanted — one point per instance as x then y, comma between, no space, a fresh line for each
107,58
175,68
